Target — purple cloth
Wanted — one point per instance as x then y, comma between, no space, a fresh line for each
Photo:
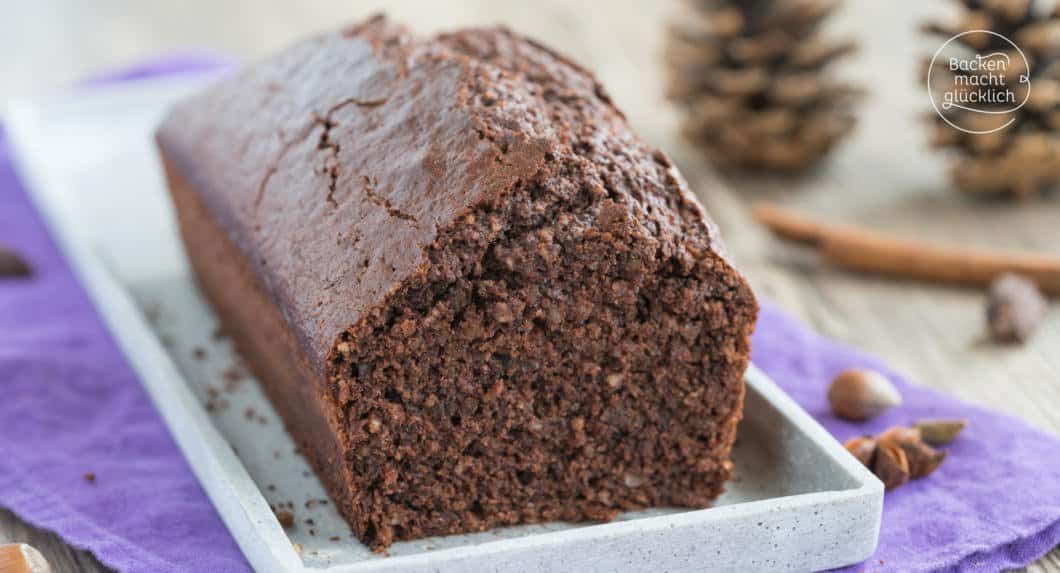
71,405
993,504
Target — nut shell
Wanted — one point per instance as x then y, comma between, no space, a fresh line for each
863,448
900,435
940,432
923,459
891,465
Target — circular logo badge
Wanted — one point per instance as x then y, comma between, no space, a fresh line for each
977,79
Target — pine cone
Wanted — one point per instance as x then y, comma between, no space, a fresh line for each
751,78
1021,159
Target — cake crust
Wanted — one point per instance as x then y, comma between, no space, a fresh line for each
475,296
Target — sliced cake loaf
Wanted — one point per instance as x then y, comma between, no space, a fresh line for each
474,295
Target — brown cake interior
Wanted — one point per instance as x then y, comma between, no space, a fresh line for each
552,363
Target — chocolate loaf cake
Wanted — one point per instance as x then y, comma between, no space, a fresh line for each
474,295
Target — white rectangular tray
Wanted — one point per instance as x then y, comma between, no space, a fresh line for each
798,501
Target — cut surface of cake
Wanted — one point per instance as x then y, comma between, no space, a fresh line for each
476,298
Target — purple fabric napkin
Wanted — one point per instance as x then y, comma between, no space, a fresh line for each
71,405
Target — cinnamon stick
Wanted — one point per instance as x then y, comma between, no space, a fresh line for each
790,225
868,251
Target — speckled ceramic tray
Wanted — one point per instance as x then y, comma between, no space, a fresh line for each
798,501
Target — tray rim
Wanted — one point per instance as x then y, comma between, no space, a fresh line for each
238,499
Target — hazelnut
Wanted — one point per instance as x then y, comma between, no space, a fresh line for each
858,395
1014,308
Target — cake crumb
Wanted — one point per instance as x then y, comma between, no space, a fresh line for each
286,518
502,313
233,378
333,538
90,477
153,313
198,353
214,404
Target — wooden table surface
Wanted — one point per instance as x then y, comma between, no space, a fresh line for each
883,177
